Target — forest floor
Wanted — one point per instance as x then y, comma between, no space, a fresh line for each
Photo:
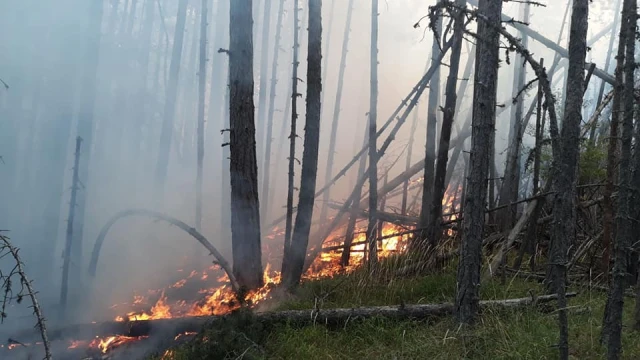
524,333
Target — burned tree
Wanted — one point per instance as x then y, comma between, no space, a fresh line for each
612,327
202,81
565,164
162,165
373,151
484,107
245,212
292,139
440,185
300,238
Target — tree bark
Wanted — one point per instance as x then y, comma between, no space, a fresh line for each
264,76
440,185
565,167
245,208
300,238
612,326
166,134
373,150
292,141
426,207
484,104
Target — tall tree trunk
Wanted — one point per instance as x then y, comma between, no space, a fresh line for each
292,140
266,165
440,186
85,126
483,123
245,212
300,238
612,326
608,208
565,168
511,184
373,150
166,134
264,76
430,144
202,76
64,288
336,112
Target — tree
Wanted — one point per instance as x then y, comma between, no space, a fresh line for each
202,82
300,238
170,103
430,144
565,166
292,140
373,150
612,327
483,123
440,185
245,212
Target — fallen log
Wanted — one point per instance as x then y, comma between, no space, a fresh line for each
297,317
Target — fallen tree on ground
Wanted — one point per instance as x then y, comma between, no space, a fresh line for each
296,317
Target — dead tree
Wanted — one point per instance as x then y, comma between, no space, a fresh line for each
86,117
608,211
75,183
166,133
292,138
266,165
202,76
300,238
483,123
607,63
565,163
430,142
373,150
449,110
336,111
511,184
245,208
264,76
26,289
612,325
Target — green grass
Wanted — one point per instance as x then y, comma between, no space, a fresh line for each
528,333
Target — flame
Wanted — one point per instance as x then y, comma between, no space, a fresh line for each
112,342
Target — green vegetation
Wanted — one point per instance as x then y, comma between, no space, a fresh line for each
526,333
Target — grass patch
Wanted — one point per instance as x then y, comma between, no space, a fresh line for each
529,333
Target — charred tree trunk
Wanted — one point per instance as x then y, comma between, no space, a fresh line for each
64,289
336,112
511,184
612,326
484,107
245,211
202,75
166,134
300,239
85,126
430,144
608,224
373,150
440,186
565,168
266,165
292,140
